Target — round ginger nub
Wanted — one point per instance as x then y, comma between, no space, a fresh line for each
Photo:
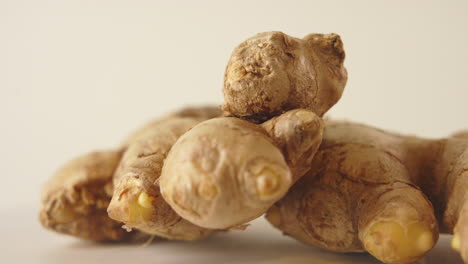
224,172
272,73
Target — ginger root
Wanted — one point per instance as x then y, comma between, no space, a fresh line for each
137,201
75,199
194,172
272,73
227,171
370,190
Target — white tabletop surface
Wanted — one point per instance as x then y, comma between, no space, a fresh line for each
25,241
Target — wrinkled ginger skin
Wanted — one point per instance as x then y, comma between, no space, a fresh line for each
75,199
227,171
361,194
272,73
450,193
137,201
298,133
224,172
460,239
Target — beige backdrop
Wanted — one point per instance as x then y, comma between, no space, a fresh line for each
80,75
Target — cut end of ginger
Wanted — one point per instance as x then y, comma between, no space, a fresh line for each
134,208
140,208
390,242
144,200
456,242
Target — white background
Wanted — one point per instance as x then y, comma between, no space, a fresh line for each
77,76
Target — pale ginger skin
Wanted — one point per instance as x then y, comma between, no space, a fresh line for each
226,171
271,73
137,201
75,199
208,177
370,190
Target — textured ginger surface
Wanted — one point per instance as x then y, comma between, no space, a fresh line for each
226,171
137,201
373,190
75,199
272,73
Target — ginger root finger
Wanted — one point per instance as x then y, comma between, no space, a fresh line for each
271,73
447,187
396,223
227,171
137,201
298,133
224,172
361,194
75,199
455,210
348,197
266,76
460,237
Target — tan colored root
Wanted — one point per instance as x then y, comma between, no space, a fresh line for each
460,233
232,171
223,173
450,192
137,200
392,242
272,73
298,134
358,165
396,223
75,200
